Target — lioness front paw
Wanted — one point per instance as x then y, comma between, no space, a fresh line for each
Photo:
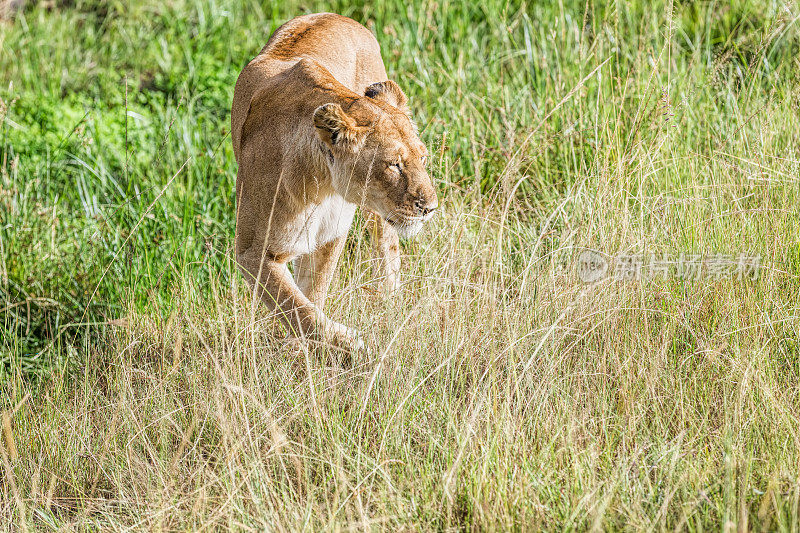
344,338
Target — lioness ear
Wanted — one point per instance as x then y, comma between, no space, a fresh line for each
336,128
389,92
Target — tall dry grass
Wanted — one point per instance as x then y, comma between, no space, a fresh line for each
501,391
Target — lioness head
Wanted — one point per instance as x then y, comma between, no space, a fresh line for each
376,158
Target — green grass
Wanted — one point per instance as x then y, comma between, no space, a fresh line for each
142,389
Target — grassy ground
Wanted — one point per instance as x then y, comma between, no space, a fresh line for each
141,389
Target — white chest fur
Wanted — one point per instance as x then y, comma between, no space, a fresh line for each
319,224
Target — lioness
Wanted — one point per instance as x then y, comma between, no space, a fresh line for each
316,131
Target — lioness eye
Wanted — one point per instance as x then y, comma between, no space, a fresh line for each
395,166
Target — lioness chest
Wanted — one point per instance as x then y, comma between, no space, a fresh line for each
318,224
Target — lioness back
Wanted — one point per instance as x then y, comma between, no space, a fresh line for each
341,45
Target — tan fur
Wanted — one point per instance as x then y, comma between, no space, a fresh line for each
317,130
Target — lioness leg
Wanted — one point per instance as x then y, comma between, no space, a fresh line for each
314,272
274,285
386,246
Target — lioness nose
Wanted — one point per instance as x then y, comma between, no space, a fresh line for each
424,207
